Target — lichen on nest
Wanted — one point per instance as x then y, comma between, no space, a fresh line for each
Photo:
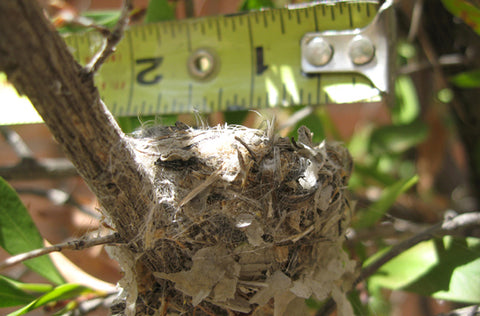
243,221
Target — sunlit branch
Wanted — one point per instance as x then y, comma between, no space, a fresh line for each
78,244
112,39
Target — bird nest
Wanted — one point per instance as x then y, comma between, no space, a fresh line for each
243,222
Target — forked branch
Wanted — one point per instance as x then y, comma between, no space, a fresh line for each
112,40
38,63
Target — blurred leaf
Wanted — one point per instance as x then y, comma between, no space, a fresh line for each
61,292
467,79
446,268
445,95
18,233
407,106
314,122
378,303
68,308
369,216
11,295
371,172
469,13
167,120
129,124
330,128
406,49
314,304
358,144
406,168
29,287
394,139
235,117
159,10
256,4
106,19
358,307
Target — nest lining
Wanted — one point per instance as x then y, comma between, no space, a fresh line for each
240,217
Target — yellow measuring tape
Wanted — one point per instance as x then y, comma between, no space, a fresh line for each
249,60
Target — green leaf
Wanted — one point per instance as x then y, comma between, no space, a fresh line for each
406,49
407,106
371,172
105,18
29,287
394,139
68,308
159,10
445,95
256,4
235,117
61,292
314,121
468,79
11,295
359,308
369,216
465,10
313,304
129,124
18,233
447,268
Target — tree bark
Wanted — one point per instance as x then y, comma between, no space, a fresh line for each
38,63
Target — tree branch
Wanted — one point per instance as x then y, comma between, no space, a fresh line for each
472,310
112,39
16,142
449,224
58,197
78,244
31,169
38,63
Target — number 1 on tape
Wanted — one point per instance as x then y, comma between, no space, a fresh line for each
327,52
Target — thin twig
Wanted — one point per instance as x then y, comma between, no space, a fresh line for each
444,61
87,306
78,244
449,224
472,310
58,197
31,169
438,73
112,39
16,142
416,18
296,117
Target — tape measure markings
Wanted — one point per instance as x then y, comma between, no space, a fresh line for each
255,59
314,19
128,38
350,17
266,56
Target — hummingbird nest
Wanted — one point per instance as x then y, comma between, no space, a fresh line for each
243,223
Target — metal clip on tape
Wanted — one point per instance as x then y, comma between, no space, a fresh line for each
365,51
